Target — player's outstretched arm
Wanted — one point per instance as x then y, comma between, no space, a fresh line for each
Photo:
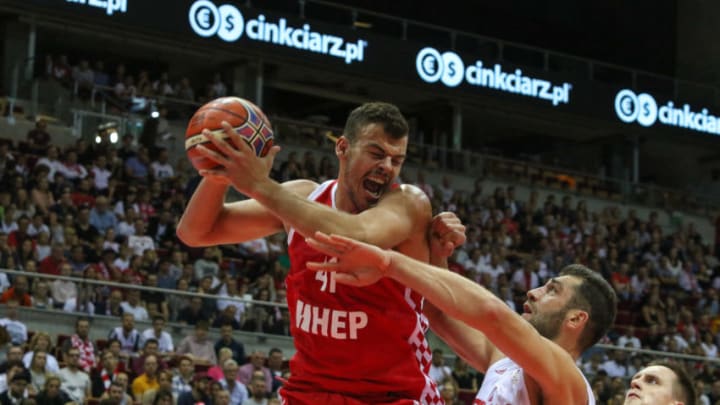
546,362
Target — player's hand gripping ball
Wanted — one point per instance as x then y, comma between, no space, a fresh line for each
246,119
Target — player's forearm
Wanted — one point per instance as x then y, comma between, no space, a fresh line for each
456,296
201,213
470,344
305,216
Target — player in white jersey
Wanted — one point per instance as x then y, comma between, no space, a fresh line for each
528,359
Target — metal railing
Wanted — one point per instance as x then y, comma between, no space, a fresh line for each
38,318
262,338
106,283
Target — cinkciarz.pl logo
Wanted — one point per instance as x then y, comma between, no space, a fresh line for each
631,107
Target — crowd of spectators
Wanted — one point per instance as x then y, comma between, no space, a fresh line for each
108,214
79,371
128,89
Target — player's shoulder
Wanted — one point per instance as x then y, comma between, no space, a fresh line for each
301,187
409,188
410,192
409,196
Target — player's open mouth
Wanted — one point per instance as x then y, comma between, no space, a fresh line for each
374,186
527,309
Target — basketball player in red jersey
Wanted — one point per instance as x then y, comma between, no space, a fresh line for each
528,359
354,345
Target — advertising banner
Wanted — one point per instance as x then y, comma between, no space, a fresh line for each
363,53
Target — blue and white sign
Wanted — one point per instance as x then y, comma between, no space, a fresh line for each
449,69
643,109
228,23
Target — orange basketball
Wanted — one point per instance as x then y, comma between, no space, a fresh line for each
245,117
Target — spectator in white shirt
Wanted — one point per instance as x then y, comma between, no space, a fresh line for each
525,279
71,169
15,328
165,342
127,335
439,372
229,290
37,226
62,290
74,381
629,339
133,306
140,242
257,249
126,225
51,162
161,169
615,366
100,173
494,269
122,262
4,282
8,224
709,346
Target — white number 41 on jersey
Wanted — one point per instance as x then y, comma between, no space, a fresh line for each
327,278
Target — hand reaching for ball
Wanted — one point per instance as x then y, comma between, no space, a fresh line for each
237,163
229,140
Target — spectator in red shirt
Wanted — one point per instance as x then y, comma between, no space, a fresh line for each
52,263
83,195
511,226
18,292
16,237
621,282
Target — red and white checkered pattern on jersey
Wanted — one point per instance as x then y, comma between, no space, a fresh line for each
423,353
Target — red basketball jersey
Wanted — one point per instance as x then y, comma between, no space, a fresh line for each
365,342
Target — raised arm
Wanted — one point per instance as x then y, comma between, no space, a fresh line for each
544,361
401,210
208,220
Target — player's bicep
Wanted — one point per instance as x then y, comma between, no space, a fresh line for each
243,221
247,220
